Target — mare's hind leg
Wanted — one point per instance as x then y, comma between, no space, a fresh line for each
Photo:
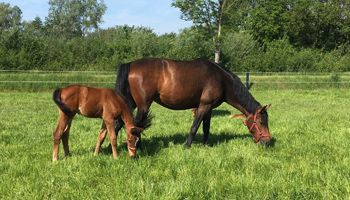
101,137
118,125
202,111
57,134
206,127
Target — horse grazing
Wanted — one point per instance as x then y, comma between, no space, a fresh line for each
200,84
96,103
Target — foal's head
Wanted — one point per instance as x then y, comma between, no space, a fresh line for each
133,137
141,122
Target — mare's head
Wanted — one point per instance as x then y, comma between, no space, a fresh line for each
257,124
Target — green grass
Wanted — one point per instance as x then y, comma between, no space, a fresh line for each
309,158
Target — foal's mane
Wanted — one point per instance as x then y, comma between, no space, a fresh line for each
240,91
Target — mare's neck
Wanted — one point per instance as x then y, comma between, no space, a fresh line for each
240,98
237,94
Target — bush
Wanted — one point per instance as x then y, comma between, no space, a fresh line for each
334,61
105,50
240,52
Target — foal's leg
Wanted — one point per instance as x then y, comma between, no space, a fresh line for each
117,126
112,136
101,137
201,112
65,137
57,134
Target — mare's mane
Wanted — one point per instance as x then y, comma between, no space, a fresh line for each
240,91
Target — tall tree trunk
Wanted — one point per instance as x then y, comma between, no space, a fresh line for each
218,40
217,51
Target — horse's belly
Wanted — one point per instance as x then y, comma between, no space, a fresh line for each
176,102
88,113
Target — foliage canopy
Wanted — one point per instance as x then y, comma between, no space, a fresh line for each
272,35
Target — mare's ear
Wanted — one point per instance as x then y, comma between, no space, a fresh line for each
267,107
238,116
264,109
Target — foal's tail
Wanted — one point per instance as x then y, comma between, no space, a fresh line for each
57,99
122,85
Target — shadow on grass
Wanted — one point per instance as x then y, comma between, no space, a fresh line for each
151,146
217,112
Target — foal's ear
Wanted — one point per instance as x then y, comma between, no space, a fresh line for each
136,130
238,116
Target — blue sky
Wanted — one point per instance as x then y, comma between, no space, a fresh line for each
155,14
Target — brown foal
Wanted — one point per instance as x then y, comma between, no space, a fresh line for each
95,103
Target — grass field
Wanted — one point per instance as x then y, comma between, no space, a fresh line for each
309,157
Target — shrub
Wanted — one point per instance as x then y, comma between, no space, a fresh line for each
240,52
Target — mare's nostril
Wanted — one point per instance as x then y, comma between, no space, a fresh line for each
265,143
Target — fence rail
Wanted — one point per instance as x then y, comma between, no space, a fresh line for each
236,72
34,80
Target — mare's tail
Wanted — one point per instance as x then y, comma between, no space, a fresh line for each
143,121
57,99
122,85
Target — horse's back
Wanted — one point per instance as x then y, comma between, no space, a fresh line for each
175,84
88,101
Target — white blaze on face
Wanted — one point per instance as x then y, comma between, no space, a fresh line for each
137,140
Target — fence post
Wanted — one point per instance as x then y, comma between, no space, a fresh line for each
247,81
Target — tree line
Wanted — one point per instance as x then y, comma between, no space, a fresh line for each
243,35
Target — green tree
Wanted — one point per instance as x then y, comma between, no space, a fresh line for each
74,18
10,17
267,20
208,16
323,24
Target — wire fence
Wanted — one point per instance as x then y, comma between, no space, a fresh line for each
36,80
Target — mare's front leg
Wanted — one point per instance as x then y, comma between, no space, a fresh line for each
203,110
101,137
112,136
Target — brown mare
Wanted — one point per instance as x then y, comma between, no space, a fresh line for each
96,103
200,84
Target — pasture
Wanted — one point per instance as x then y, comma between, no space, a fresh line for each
309,157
